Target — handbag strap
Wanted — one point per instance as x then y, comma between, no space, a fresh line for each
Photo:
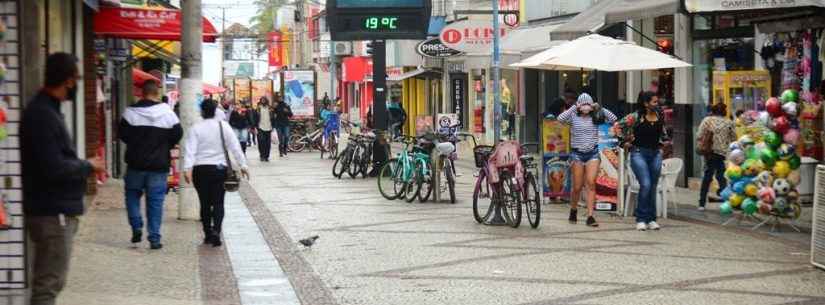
223,144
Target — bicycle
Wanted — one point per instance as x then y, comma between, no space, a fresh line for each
344,160
422,173
395,176
447,155
361,155
304,140
531,197
330,137
498,181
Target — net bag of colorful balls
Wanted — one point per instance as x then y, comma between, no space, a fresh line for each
763,175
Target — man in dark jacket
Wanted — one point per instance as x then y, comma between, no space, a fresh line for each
264,120
282,114
150,130
54,179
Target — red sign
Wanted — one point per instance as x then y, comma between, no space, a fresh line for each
509,5
134,23
471,36
276,51
356,69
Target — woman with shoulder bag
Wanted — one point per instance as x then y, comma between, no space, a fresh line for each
644,135
716,132
207,165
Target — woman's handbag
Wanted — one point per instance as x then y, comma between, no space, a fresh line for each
232,182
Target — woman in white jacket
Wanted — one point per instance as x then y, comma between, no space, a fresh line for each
205,165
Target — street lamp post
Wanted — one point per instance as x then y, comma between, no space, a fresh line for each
191,93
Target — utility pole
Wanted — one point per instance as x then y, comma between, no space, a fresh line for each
191,93
496,76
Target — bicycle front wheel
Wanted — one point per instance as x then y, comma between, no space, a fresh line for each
413,186
338,168
532,201
354,164
390,183
426,181
297,146
482,199
450,179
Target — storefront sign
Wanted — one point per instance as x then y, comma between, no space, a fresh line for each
458,90
138,23
471,36
119,49
433,48
299,92
243,89
276,50
607,180
261,88
695,6
556,149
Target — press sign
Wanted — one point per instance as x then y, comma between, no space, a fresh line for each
434,48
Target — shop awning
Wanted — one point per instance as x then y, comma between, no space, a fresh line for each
418,73
588,21
139,77
134,23
528,39
623,10
163,49
698,6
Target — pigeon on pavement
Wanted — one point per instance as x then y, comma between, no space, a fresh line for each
309,241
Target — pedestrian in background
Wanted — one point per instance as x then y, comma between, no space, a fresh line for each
721,131
584,120
643,134
240,121
209,143
561,104
54,179
265,120
150,130
253,124
282,115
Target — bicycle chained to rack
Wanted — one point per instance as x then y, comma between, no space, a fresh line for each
355,157
404,176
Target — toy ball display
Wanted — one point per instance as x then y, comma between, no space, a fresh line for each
767,194
769,157
772,139
733,173
785,151
791,109
752,153
746,141
752,167
774,107
781,169
791,137
781,187
765,208
763,179
794,178
794,162
749,206
792,196
725,194
725,208
763,118
734,146
780,204
739,187
736,200
789,95
781,125
751,190
736,156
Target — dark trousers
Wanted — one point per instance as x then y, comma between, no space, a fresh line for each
283,139
52,241
264,143
714,166
208,180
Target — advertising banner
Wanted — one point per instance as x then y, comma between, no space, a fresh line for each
261,88
243,89
446,122
299,92
276,50
556,149
607,179
695,6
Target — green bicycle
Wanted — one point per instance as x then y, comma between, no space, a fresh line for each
404,176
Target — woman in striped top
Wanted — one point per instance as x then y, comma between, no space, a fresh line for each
584,120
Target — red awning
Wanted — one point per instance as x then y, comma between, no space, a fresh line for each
212,89
134,23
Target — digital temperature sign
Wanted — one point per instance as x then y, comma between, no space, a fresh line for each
378,19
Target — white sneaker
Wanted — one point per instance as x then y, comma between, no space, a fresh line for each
653,225
701,209
641,226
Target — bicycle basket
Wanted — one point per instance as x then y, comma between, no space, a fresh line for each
481,153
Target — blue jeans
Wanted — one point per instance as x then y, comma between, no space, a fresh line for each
647,165
154,185
283,138
714,166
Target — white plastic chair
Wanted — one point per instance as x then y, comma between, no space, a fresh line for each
667,183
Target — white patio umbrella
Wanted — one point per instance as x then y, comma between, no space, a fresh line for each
597,52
